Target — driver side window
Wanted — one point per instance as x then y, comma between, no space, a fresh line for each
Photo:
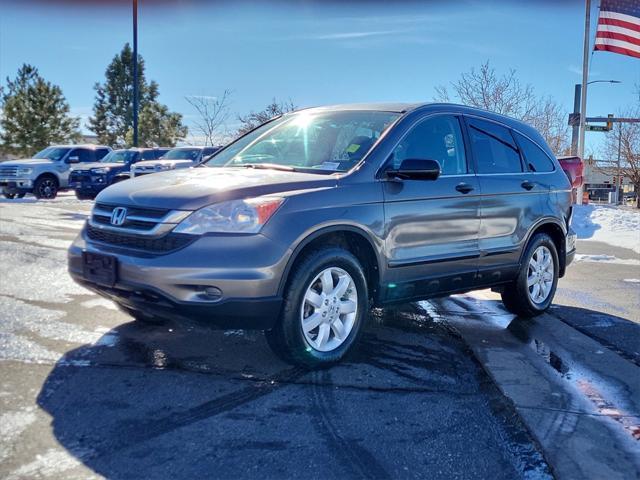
437,138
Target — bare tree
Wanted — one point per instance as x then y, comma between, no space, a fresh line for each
623,143
254,119
504,94
213,114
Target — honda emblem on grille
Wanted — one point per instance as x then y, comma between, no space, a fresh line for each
118,216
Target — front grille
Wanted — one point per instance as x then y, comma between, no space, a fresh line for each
167,243
8,171
136,211
79,177
134,224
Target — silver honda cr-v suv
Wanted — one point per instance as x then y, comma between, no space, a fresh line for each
300,226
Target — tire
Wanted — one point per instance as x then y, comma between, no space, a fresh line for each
522,296
9,196
81,196
46,187
321,346
20,195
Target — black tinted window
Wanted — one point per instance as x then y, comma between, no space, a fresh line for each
494,148
83,154
149,155
101,152
536,159
437,138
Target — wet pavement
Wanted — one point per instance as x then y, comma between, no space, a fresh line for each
87,393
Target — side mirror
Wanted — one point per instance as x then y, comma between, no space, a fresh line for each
73,159
416,169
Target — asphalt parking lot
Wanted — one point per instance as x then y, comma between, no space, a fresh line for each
453,388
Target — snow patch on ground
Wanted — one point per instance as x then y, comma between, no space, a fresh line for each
46,465
605,259
12,424
36,273
616,226
631,280
21,324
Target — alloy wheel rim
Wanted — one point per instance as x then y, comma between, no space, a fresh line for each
540,275
46,190
329,309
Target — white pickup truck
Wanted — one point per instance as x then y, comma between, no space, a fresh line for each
47,171
180,157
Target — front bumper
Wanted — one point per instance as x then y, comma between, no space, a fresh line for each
246,269
16,185
570,246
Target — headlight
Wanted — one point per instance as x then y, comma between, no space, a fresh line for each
235,216
164,166
99,171
24,171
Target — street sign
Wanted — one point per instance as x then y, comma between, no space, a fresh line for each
597,128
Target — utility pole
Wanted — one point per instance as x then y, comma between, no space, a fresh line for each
619,170
135,73
585,78
575,128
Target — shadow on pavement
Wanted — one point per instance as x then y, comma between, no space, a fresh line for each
176,402
616,333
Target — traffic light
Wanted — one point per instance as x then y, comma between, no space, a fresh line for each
609,122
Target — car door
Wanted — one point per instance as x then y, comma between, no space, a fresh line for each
432,226
510,199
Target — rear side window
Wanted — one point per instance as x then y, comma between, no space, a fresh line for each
149,155
535,158
101,152
436,138
494,148
84,155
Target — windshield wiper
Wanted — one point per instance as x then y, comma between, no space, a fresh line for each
267,166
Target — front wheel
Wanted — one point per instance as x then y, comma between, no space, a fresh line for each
325,304
531,293
45,188
9,196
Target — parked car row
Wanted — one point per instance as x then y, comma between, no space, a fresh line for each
89,169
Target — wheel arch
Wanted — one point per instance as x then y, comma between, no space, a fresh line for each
48,174
557,231
353,238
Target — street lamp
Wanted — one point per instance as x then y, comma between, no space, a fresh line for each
577,97
578,130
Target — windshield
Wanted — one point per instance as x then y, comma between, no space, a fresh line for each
323,141
119,156
182,154
52,153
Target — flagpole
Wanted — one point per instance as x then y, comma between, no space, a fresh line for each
585,80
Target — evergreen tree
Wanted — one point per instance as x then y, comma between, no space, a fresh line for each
112,118
35,114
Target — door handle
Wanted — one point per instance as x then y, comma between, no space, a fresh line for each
464,187
527,185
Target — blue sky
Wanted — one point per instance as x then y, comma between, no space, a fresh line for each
312,52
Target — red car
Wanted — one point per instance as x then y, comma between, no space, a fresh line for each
573,167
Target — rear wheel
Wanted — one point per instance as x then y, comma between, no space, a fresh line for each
533,290
46,187
325,304
11,196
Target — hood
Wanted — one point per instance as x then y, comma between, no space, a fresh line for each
27,162
89,166
151,163
198,187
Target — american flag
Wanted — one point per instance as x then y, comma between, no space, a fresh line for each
619,27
